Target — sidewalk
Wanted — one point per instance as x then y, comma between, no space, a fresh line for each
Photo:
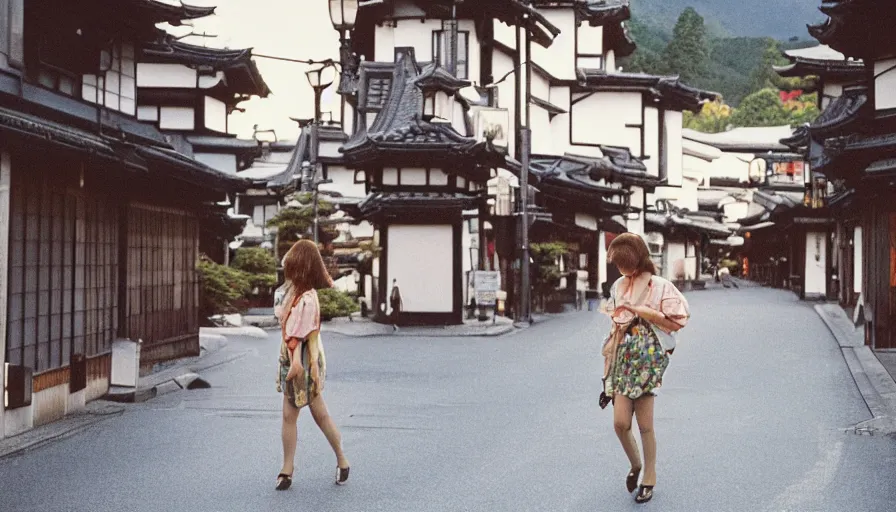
871,376
363,327
165,378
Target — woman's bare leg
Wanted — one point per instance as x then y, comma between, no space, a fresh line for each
289,433
326,424
644,413
622,423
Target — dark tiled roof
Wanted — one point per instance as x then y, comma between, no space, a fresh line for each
393,201
511,12
667,89
839,117
857,28
399,127
242,73
601,12
436,78
162,12
689,222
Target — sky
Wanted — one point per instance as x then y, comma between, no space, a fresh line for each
297,29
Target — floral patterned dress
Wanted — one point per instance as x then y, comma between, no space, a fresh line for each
300,319
636,366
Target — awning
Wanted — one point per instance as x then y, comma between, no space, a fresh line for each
38,129
755,227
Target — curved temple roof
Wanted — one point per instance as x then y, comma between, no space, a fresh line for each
668,89
400,130
242,71
821,61
857,28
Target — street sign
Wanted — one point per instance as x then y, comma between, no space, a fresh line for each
486,284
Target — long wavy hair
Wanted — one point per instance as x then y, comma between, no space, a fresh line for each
304,268
629,251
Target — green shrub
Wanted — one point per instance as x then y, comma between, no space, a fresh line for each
222,287
334,303
259,265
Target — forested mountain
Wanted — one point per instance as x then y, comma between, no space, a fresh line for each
779,19
697,49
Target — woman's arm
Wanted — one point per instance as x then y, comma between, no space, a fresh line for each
655,317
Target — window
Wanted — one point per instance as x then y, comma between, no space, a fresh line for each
117,87
440,51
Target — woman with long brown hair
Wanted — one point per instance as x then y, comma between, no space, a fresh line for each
645,309
303,365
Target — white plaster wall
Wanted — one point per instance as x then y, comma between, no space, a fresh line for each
542,132
885,84
390,176
541,88
560,96
816,270
731,165
591,39
148,113
637,200
652,140
421,258
857,259
674,260
732,212
601,119
5,170
601,259
559,58
207,82
502,64
215,114
177,118
343,182
330,149
222,162
418,35
674,151
362,230
165,75
505,34
586,221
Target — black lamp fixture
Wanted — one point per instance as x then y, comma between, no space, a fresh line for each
344,15
320,78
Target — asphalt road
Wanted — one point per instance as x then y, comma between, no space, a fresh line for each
751,418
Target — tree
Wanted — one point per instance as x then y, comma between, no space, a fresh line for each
765,76
762,108
714,117
295,223
222,287
770,107
688,52
546,270
259,264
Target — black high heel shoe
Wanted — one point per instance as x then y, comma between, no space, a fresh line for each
342,475
631,481
284,481
645,493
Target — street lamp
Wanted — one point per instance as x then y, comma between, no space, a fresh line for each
320,78
343,14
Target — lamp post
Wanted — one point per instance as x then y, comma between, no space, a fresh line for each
319,78
343,15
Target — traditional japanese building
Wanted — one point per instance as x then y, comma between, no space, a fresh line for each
859,151
100,215
843,96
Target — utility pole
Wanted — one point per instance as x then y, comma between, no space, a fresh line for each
526,141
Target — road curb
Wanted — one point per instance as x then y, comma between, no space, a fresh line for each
877,387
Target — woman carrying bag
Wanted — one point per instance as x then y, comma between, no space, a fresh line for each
646,311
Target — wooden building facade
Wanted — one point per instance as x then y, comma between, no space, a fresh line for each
103,214
857,155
